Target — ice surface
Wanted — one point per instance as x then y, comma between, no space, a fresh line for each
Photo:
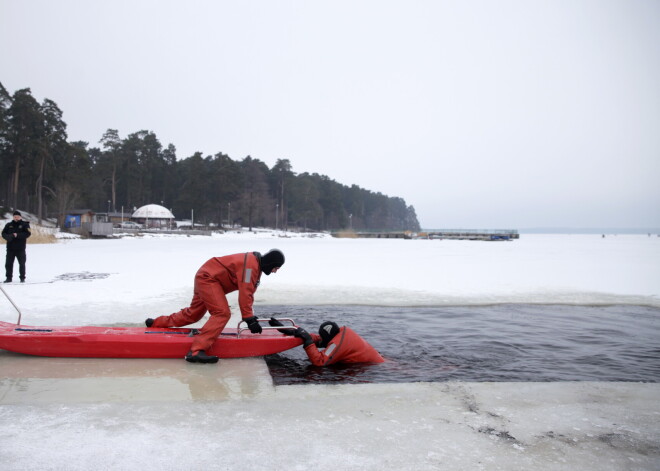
424,426
167,414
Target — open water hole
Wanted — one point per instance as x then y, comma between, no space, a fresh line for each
513,342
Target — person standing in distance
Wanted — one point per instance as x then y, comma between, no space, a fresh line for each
216,278
16,233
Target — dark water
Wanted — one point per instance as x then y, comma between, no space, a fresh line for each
485,343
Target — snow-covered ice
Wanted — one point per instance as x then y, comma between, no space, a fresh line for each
154,275
167,414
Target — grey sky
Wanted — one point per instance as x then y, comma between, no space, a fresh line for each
479,113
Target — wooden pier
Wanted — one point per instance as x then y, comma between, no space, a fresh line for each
455,234
471,234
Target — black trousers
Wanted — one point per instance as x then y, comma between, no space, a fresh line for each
9,263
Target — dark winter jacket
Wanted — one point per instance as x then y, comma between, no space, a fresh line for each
21,229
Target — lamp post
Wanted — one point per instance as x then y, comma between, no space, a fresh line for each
277,207
229,214
108,208
350,221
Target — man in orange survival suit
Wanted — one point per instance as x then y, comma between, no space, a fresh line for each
341,345
217,277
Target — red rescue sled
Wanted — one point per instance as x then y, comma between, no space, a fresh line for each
138,342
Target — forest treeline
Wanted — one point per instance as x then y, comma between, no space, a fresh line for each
45,174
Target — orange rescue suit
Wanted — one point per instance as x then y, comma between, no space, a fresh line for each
345,347
217,277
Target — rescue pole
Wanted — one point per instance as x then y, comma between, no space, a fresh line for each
12,303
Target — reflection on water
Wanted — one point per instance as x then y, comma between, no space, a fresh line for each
485,343
26,379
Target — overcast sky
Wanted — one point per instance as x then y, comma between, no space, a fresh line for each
480,114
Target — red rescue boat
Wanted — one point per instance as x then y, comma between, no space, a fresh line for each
138,342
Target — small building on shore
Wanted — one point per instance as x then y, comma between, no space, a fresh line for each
86,223
76,217
117,217
153,216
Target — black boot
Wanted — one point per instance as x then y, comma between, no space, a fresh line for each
8,280
149,322
201,357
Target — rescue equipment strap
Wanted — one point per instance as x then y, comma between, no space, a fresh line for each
173,333
189,334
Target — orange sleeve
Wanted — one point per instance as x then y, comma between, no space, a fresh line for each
317,358
330,354
248,280
345,347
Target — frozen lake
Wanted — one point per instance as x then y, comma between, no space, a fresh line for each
167,414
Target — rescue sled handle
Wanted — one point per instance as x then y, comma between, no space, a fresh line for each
240,329
12,303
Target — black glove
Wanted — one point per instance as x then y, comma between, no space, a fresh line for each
253,324
304,335
275,323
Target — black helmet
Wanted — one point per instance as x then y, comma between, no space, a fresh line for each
273,259
327,331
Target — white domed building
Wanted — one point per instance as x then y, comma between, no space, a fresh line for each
153,216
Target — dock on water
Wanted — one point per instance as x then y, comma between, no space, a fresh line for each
471,234
456,234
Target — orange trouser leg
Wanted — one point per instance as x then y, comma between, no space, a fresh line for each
216,303
187,315
197,308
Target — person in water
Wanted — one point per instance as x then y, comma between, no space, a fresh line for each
217,277
338,344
